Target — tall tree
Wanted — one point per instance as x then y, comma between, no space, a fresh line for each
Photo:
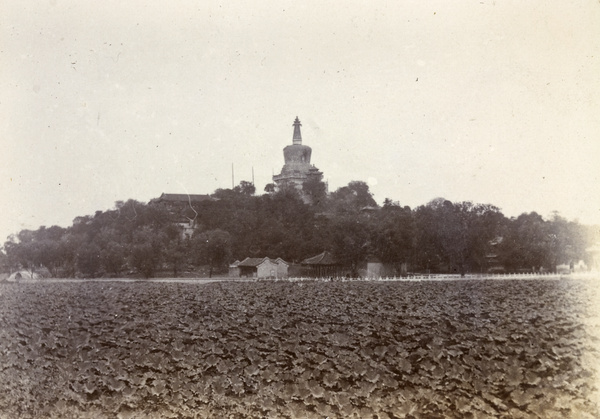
526,243
147,251
245,188
113,257
350,242
269,188
351,198
567,241
49,255
430,256
70,243
315,190
393,235
176,248
213,248
88,259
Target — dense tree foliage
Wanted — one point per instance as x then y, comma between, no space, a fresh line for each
455,237
213,248
316,191
441,236
393,234
352,198
245,187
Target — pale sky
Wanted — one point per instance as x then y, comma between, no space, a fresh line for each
489,101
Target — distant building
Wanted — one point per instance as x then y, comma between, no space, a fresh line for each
567,268
321,265
259,268
297,168
234,270
492,256
374,268
182,198
369,210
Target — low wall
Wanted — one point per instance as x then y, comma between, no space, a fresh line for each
445,277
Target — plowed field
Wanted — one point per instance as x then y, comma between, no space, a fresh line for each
455,349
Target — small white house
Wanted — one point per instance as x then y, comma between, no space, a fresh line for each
282,267
259,268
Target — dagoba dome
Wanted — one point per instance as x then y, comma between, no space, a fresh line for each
297,168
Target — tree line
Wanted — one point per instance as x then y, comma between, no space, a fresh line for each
440,236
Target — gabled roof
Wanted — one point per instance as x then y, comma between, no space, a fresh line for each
253,261
258,261
182,197
279,260
324,258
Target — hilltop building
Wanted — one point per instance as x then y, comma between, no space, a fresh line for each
297,168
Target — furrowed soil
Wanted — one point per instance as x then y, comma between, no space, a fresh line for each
443,349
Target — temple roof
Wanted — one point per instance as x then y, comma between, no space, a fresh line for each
252,261
182,197
258,261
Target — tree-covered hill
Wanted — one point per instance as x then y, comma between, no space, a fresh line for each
441,236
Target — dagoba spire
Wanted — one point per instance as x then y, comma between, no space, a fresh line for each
297,168
297,139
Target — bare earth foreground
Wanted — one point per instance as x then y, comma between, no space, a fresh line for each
430,349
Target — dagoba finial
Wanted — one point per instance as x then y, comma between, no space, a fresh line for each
297,138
